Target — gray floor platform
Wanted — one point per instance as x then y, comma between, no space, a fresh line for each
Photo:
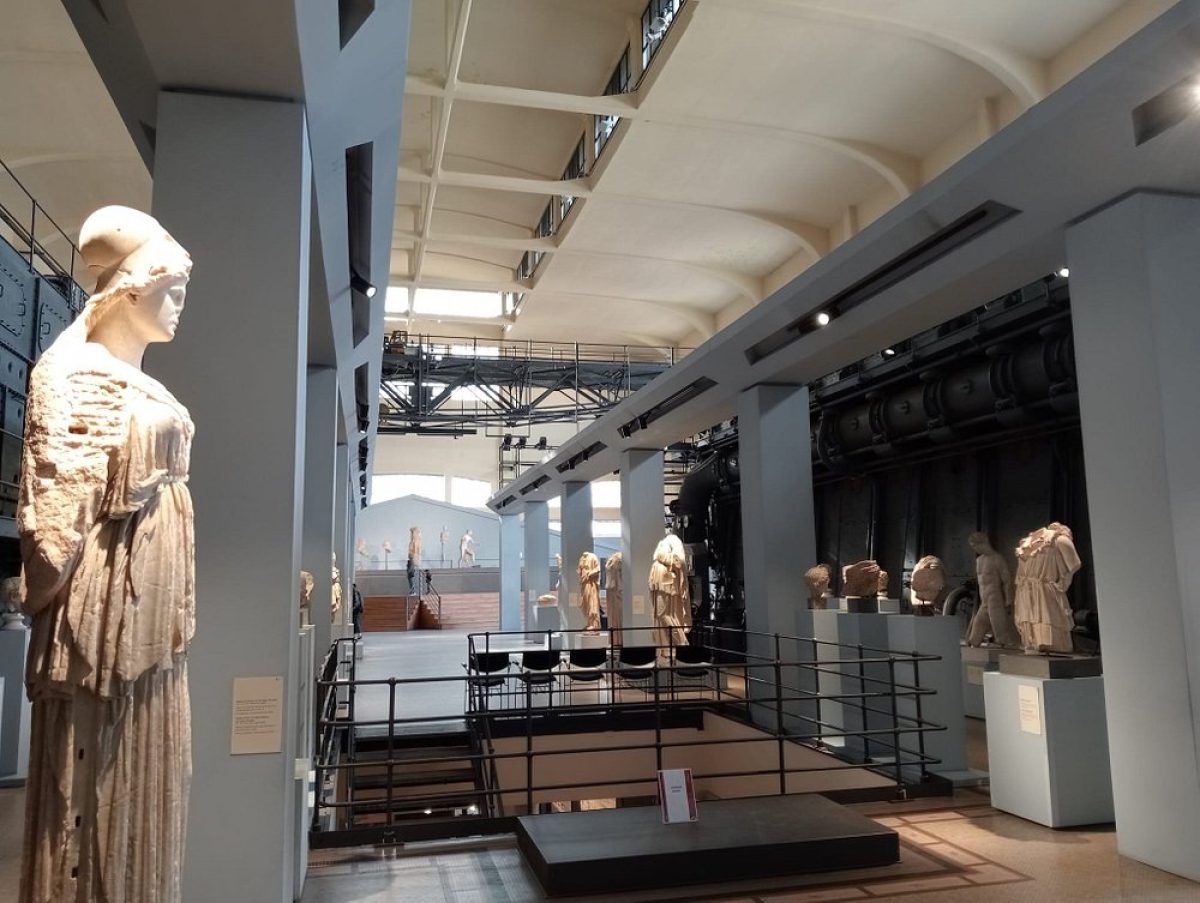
624,849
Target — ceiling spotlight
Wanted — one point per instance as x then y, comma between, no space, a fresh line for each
507,443
541,443
521,442
361,285
1064,272
823,318
889,352
429,812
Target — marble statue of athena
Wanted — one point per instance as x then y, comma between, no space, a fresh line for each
105,527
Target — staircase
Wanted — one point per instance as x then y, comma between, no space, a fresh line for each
451,788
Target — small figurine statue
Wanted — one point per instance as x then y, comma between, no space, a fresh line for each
306,592
928,581
466,551
335,597
415,546
860,579
443,538
10,604
817,579
994,615
589,591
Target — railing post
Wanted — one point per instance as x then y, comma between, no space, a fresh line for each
528,748
920,719
658,762
895,726
32,234
779,719
862,702
391,768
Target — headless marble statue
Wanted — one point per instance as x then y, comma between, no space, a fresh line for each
1046,563
669,593
589,591
105,527
335,596
306,593
415,545
466,551
614,597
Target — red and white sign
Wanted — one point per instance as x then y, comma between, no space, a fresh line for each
676,795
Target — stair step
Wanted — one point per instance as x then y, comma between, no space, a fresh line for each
417,804
416,752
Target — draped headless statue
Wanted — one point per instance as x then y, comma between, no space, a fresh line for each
1046,564
669,594
589,591
614,599
105,526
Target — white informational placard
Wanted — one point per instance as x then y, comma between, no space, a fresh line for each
676,795
257,716
639,605
1029,707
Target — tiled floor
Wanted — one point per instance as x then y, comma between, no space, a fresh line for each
958,850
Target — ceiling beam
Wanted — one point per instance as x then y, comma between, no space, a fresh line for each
1023,76
443,131
529,98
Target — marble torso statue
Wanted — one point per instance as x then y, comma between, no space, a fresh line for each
669,593
614,599
589,591
1046,563
994,615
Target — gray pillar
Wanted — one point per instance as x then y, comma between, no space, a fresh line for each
1134,277
778,533
537,555
642,528
344,510
576,539
232,183
320,443
510,571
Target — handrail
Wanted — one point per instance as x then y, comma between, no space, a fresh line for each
36,250
886,707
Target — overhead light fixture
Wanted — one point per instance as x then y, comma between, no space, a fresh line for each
361,285
521,442
889,352
541,443
823,318
429,812
1064,272
507,443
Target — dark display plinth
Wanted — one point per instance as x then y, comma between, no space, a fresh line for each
616,850
862,605
1051,666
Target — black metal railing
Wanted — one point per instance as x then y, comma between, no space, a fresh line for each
657,18
861,706
21,219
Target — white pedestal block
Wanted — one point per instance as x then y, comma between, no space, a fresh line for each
1048,749
15,711
851,631
976,660
933,636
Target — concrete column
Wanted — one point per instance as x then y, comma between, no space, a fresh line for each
642,528
537,555
232,183
344,510
778,533
510,571
576,539
320,443
1134,273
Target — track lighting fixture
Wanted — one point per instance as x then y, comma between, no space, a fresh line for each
361,285
823,318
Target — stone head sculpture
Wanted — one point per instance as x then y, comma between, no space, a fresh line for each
817,580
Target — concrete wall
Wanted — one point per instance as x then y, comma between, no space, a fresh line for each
391,521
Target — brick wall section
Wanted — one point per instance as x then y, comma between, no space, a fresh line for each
464,611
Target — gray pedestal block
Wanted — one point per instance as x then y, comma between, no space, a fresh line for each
975,661
14,708
933,636
1049,757
851,631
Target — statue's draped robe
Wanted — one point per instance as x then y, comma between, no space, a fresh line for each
105,525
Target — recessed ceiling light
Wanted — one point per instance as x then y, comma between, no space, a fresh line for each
823,318
1064,272
889,351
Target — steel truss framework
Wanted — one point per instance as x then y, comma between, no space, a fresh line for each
455,386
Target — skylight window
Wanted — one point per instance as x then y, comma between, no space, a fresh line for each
443,302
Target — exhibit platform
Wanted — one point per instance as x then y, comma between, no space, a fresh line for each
614,850
1051,667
